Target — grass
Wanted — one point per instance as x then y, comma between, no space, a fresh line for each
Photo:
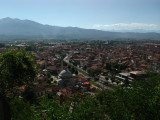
81,75
82,72
92,82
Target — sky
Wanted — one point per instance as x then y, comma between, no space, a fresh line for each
90,14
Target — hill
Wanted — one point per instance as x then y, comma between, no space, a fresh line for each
27,29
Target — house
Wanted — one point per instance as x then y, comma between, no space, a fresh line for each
86,84
122,76
138,74
130,76
52,70
19,90
40,91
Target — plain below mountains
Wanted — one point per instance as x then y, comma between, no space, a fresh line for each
27,29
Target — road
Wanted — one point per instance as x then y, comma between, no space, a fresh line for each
81,71
104,87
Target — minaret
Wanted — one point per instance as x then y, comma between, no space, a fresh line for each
61,65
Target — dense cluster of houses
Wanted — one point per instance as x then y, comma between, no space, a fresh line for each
136,57
55,78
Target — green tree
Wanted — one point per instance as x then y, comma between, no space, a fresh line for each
20,110
85,67
29,94
126,82
28,48
108,66
92,72
106,77
48,74
16,69
76,72
141,102
2,45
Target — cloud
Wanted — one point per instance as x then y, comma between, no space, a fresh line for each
127,26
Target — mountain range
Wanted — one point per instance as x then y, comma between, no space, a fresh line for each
27,29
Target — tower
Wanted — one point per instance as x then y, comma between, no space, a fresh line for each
61,64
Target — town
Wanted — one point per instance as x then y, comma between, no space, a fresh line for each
80,60
67,68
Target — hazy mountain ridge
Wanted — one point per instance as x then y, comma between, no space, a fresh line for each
135,31
16,28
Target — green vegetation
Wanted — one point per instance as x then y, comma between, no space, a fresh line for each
20,109
17,68
141,102
2,45
85,67
29,94
94,83
115,67
92,72
29,48
73,70
84,73
138,103
75,63
106,77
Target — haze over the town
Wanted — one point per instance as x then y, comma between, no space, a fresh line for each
91,14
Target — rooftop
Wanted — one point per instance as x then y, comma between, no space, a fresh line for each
65,73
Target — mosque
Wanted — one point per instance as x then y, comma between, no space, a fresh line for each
66,79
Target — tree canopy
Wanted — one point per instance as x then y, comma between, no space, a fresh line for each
16,68
141,102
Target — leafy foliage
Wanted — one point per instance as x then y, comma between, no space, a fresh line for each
2,45
29,94
20,110
141,102
92,72
16,68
